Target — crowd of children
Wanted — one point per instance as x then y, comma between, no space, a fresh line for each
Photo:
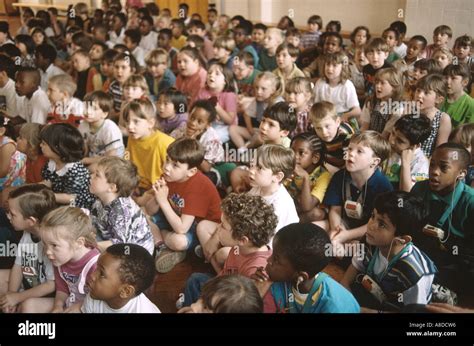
130,138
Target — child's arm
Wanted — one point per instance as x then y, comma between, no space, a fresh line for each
406,182
151,206
103,245
59,301
248,124
6,152
226,117
14,298
181,224
352,113
345,236
14,283
307,200
335,217
444,131
205,166
64,198
90,160
349,277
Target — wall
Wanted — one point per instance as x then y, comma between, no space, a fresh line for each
421,16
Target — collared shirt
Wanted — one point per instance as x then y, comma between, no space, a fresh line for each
51,71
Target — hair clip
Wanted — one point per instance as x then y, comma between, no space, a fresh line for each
86,211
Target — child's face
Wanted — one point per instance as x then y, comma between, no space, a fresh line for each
360,57
380,230
187,66
279,268
427,99
211,17
38,38
21,46
117,24
99,34
127,41
239,36
390,38
138,127
298,100
221,53
444,171
360,38
163,41
462,52
157,70
22,145
418,74
260,176
105,283
99,185
359,157
440,40
174,171
258,35
57,247
165,108
145,27
223,23
240,180
398,141
455,84
17,220
107,68
331,45
270,131
303,154
293,40
327,128
176,30
96,52
198,122
241,70
414,49
55,94
80,62
24,84
285,60
442,59
122,71
215,79
196,31
94,113
313,27
225,233
376,58
333,72
271,41
264,89
133,93
383,89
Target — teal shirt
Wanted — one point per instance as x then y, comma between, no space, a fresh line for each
267,63
461,111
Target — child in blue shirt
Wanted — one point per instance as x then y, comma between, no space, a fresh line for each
293,280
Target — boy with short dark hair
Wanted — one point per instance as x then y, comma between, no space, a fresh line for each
310,39
178,40
448,236
149,37
442,34
286,56
183,196
377,53
407,163
459,105
33,107
245,72
258,34
123,273
164,41
197,27
278,121
132,42
45,55
462,55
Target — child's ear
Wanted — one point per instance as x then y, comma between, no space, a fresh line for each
294,58
300,277
31,221
126,291
244,241
284,133
279,176
316,158
376,161
386,55
192,171
439,99
113,187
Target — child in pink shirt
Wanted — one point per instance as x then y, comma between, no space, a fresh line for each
192,76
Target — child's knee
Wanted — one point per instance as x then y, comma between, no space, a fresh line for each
205,228
176,242
316,214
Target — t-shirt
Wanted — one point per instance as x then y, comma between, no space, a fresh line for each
149,41
401,50
72,112
336,194
213,150
319,182
149,155
156,86
179,42
169,125
246,85
461,111
295,72
382,116
139,304
369,75
190,86
139,54
310,39
266,62
196,196
35,265
122,221
246,265
343,95
116,91
72,277
73,178
108,137
8,98
227,100
35,109
283,205
34,168
418,167
51,71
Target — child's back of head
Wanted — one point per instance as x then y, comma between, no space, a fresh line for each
277,158
186,150
65,141
122,173
34,200
284,114
374,140
413,127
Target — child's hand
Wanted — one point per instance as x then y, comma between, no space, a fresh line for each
10,309
213,100
407,156
57,310
300,172
262,281
161,190
186,310
260,275
74,309
10,299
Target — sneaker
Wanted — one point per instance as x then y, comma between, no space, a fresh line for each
167,259
198,251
